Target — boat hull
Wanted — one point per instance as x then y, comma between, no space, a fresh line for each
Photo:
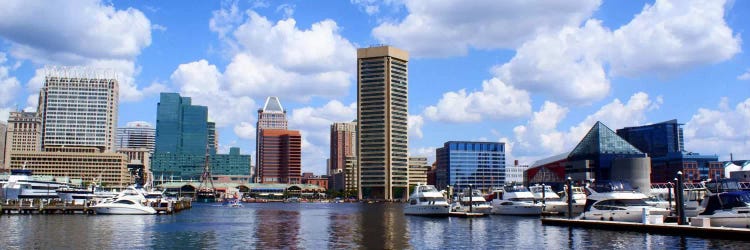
517,209
125,210
427,210
561,208
635,215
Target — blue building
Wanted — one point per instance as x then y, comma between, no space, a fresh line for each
460,163
183,136
664,143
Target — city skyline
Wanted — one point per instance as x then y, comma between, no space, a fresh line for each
477,74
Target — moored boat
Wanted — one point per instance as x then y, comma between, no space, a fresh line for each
426,200
515,200
727,209
617,201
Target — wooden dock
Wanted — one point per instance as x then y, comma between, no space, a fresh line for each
59,207
664,229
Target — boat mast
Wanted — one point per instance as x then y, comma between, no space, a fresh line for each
206,178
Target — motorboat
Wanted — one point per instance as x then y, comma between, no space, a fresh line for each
514,200
728,209
123,205
22,185
80,195
232,203
426,200
617,201
662,196
551,202
471,202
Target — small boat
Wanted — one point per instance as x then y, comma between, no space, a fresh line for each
232,203
474,203
515,200
79,195
123,205
617,201
426,200
205,195
728,209
22,185
551,202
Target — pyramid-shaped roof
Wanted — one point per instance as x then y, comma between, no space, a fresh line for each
273,105
602,140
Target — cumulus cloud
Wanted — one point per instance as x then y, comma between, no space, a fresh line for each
80,33
245,130
274,59
414,126
428,152
720,131
8,84
667,37
745,76
449,28
496,100
314,124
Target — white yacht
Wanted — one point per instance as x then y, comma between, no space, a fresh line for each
728,209
475,200
21,185
428,201
551,202
80,195
515,200
616,201
123,205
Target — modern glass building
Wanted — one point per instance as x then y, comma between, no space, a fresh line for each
596,153
233,163
656,140
461,163
138,134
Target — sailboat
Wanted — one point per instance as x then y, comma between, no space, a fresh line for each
206,191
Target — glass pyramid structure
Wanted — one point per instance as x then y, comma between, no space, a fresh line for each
601,140
273,105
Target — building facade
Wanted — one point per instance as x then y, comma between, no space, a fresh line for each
138,134
87,163
181,138
3,130
418,169
233,163
382,106
271,116
343,144
24,133
514,173
464,163
79,109
280,156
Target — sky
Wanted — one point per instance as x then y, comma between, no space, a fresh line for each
535,75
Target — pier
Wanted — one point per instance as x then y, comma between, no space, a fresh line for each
664,229
60,207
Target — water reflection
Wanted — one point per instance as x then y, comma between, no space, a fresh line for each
383,226
277,228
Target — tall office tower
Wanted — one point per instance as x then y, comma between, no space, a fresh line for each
271,116
213,137
460,163
3,129
343,144
181,137
280,156
382,104
418,169
137,134
78,109
656,140
24,134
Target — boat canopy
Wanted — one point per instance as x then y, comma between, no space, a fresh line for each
726,200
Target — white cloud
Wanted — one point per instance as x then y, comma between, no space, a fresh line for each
314,125
8,84
414,126
745,76
428,152
279,59
85,33
540,133
720,131
158,27
615,115
287,9
496,100
449,28
245,130
205,85
667,37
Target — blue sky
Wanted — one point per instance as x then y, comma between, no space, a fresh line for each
534,74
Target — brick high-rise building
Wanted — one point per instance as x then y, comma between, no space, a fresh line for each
343,144
382,106
24,134
280,156
271,116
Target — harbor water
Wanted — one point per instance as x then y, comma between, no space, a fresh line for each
317,226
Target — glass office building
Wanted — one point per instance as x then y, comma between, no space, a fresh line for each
461,163
600,147
656,140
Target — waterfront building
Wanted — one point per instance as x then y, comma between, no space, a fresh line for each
24,133
271,116
343,144
78,109
280,156
213,137
550,171
464,163
140,157
86,163
234,163
514,173
664,143
181,137
311,179
3,130
418,169
137,134
382,106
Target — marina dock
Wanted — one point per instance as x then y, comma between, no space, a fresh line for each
664,229
59,207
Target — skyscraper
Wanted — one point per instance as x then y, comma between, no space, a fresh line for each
138,134
271,116
343,144
3,129
213,137
382,106
418,169
656,140
181,137
79,109
280,156
24,134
